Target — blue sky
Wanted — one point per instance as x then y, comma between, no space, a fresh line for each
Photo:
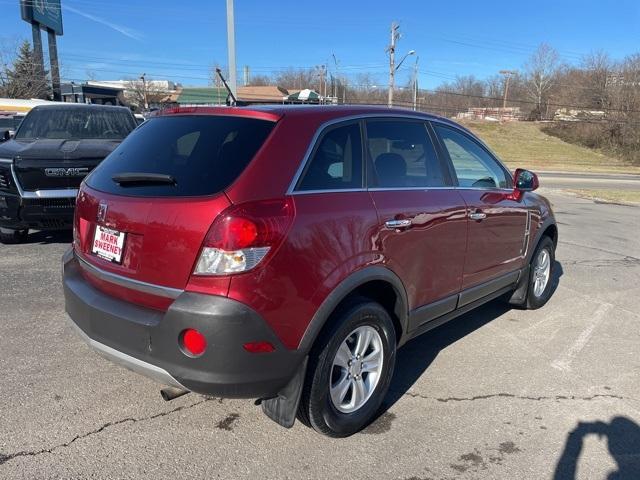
181,40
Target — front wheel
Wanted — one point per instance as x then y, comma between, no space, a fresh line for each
541,274
349,370
9,236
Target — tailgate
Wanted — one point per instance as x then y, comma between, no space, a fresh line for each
162,236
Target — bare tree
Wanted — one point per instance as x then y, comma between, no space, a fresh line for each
9,48
597,67
297,78
260,80
540,75
139,92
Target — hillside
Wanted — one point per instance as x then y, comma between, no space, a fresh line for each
523,144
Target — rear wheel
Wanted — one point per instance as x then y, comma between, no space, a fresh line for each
540,274
349,370
8,235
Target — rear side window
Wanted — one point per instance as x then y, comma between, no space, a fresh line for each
336,163
403,155
81,123
204,154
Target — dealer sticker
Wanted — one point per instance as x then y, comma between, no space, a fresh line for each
108,244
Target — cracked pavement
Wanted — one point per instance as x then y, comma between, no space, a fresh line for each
495,394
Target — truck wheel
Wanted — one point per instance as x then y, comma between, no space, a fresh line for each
350,370
9,236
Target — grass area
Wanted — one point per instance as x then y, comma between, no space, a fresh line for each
523,144
615,196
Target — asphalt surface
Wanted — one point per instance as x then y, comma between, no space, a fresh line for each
495,394
606,181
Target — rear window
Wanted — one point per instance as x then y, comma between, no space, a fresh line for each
69,123
203,154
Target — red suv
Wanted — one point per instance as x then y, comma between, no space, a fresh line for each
285,252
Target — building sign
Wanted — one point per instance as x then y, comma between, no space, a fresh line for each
46,13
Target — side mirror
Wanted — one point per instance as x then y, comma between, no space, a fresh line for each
6,136
525,181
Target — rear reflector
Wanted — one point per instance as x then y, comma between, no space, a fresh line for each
193,342
258,347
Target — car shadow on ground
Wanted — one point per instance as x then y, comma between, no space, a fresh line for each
623,441
416,356
48,237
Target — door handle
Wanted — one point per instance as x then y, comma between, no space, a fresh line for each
394,224
477,216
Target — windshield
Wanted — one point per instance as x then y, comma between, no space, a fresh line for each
76,124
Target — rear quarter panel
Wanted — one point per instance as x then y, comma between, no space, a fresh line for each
333,235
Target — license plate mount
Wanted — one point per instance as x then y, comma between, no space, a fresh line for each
108,244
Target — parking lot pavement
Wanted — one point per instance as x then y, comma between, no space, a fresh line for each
497,393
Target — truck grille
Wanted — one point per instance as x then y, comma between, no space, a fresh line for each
5,180
54,223
50,202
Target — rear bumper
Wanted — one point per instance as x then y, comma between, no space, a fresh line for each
146,340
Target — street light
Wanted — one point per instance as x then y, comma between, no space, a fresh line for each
410,52
392,72
415,85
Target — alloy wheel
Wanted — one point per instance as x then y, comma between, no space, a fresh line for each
356,369
541,272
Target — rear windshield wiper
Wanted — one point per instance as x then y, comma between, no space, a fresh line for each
141,178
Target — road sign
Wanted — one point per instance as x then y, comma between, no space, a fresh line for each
46,13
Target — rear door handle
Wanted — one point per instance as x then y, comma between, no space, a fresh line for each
394,224
477,216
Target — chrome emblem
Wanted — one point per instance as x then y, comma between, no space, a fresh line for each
102,212
66,172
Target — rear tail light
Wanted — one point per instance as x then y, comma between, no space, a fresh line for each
242,236
76,231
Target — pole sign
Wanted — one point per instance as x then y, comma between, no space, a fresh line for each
46,13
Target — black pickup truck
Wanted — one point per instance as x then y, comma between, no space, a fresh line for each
41,168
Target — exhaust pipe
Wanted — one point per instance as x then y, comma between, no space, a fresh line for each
170,393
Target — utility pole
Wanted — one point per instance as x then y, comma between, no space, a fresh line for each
245,75
231,47
144,90
507,74
415,85
395,35
322,81
336,92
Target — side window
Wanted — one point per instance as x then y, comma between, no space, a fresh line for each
403,155
336,163
474,166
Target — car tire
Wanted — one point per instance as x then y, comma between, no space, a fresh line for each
364,386
9,236
541,271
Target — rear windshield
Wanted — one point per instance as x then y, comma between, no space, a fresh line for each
203,154
76,124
